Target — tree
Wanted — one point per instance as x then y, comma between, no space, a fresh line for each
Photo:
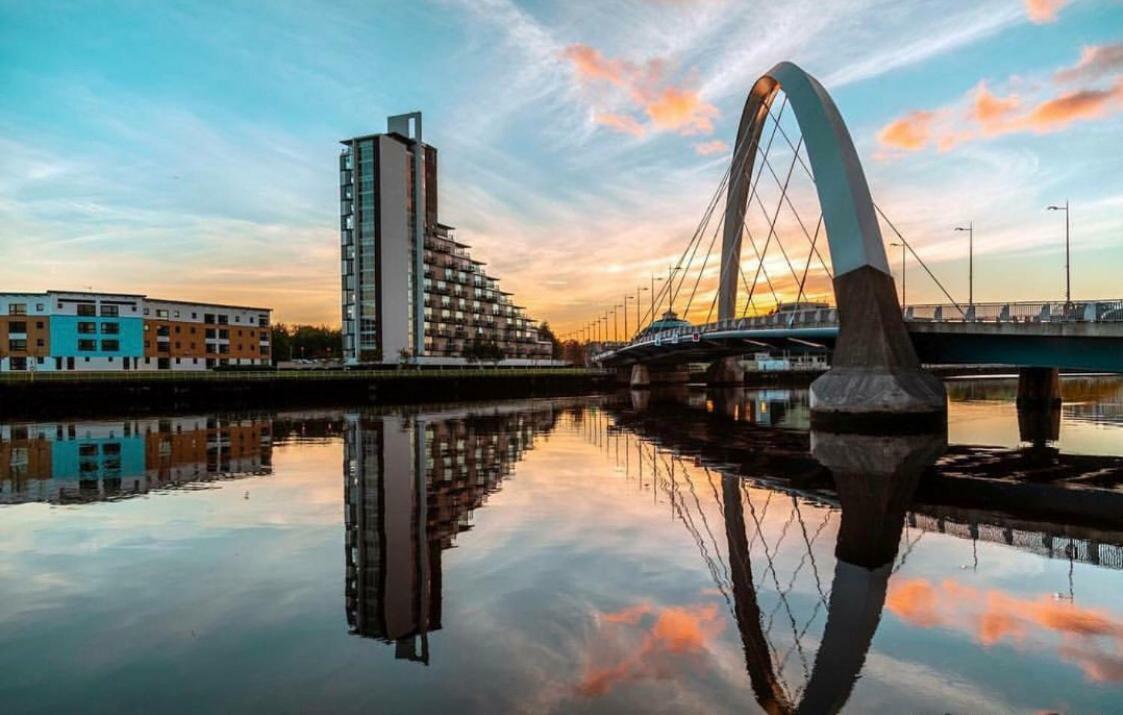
316,342
544,333
482,351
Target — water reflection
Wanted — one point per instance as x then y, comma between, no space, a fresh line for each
64,462
411,484
667,551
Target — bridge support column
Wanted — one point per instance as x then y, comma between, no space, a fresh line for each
1039,387
726,371
648,375
875,382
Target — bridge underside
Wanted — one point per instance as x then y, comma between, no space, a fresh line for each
935,343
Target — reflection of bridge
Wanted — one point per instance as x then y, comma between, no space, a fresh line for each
775,506
876,348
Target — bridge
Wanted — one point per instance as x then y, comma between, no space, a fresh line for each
877,348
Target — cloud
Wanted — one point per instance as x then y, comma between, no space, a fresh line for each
667,107
621,123
1091,638
675,633
911,132
983,113
1044,11
711,148
1095,61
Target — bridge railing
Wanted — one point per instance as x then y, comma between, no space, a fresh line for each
1084,311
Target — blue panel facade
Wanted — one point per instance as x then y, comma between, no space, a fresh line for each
65,336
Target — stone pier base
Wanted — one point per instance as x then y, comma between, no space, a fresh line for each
726,371
878,400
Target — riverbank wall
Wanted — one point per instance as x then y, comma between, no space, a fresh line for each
71,394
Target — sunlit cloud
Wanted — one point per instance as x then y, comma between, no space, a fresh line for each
984,114
1088,637
672,637
1044,11
667,107
711,148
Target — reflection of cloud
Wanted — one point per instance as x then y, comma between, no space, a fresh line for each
673,633
994,616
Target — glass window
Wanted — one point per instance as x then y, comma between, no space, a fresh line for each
109,311
17,308
87,345
17,327
161,313
87,328
17,345
110,345
110,328
87,309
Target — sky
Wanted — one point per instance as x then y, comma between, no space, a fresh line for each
189,150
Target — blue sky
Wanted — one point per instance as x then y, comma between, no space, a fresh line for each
188,150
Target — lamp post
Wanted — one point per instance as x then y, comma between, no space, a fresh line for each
1068,273
903,277
653,279
638,291
625,311
671,270
970,229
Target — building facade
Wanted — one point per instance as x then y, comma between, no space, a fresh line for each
75,331
409,289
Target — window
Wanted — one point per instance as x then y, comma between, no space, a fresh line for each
210,333
163,347
223,319
208,317
17,327
175,314
87,328
17,345
161,313
110,345
162,331
39,325
17,363
110,328
224,335
87,309
39,343
87,345
40,307
17,308
109,311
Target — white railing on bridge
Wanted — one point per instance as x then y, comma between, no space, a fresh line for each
1083,311
1094,311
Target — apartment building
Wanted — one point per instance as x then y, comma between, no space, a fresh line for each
85,331
409,288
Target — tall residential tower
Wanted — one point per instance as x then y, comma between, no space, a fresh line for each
409,289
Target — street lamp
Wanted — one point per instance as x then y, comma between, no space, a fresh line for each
1068,274
970,229
653,279
671,271
903,276
638,291
625,311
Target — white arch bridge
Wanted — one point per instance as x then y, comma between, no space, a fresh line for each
877,348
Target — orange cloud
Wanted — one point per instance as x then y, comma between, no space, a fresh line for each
910,132
621,123
988,108
1095,61
1073,106
667,107
717,146
676,632
1044,11
681,110
994,616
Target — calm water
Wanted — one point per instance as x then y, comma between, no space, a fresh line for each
668,553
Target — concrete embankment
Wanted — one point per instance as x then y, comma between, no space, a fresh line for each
71,394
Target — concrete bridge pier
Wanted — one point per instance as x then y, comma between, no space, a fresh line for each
644,376
875,383
726,371
1038,388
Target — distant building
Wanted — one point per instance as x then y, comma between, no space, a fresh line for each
408,287
70,330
